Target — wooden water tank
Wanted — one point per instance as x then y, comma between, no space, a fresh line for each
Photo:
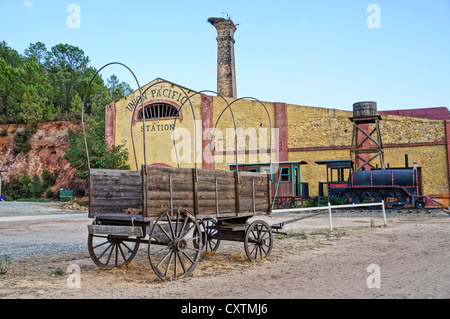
365,109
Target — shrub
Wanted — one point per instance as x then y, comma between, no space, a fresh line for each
36,188
22,140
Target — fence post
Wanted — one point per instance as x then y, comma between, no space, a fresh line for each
329,214
384,213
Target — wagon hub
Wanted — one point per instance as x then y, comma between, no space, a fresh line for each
179,244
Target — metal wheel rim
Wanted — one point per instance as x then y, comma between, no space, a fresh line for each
178,256
258,241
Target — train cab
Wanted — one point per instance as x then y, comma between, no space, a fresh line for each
339,173
287,186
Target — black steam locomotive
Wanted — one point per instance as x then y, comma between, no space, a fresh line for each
397,187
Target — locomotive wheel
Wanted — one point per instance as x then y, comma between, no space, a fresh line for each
352,196
258,241
108,251
177,254
420,204
209,244
397,196
372,196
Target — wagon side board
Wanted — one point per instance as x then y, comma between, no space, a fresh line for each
209,193
154,189
114,192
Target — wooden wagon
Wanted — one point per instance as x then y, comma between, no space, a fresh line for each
178,213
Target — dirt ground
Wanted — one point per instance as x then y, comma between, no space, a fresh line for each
411,257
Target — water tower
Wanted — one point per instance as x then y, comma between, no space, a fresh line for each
367,146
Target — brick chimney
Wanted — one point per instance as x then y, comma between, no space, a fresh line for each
226,73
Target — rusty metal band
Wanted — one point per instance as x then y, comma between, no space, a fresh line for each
84,102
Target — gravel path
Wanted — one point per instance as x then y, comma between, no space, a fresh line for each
312,262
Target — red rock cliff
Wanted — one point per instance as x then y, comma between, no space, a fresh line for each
47,148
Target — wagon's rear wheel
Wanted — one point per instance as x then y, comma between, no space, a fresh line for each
108,251
258,240
209,243
175,244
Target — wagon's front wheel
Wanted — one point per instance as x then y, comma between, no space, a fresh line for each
175,244
258,240
109,251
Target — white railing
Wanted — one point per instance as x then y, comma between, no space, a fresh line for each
329,208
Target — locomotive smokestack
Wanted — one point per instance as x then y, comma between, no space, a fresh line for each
226,73
406,161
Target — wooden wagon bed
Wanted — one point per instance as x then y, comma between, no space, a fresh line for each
183,211
205,193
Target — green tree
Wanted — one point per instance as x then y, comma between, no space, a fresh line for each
30,108
101,155
117,90
10,93
11,56
38,53
66,64
35,187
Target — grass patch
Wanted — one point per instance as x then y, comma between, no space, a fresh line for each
4,264
58,272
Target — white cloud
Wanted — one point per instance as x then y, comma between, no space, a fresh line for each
28,3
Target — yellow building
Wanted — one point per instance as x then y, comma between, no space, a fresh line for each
179,124
174,115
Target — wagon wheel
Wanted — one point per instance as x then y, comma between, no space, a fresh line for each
258,240
209,243
172,250
109,251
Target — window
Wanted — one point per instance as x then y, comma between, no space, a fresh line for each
267,170
252,170
285,176
159,111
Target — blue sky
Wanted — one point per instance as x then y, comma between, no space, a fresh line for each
312,52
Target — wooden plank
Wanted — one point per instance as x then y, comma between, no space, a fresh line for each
230,196
200,195
116,230
116,195
159,178
194,187
230,227
189,203
216,197
269,193
111,172
113,191
236,181
143,190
